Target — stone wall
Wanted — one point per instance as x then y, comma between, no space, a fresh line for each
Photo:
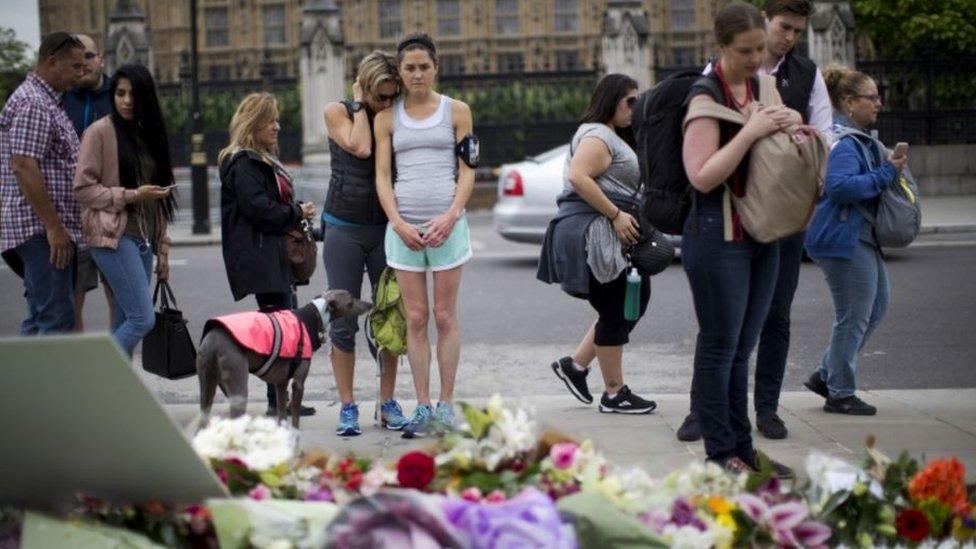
944,170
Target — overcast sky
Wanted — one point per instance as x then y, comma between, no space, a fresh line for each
21,15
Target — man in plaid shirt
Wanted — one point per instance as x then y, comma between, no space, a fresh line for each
40,221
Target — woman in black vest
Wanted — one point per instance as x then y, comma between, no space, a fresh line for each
354,226
256,210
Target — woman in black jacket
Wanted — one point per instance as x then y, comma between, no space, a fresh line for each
256,210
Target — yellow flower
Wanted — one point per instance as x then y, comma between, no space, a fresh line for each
727,521
719,505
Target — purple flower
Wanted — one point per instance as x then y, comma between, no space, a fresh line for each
529,519
785,521
683,514
812,534
322,493
260,492
393,519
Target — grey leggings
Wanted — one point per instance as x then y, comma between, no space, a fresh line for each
346,251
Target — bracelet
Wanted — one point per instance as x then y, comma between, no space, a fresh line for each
615,216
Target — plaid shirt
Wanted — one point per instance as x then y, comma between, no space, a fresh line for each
33,124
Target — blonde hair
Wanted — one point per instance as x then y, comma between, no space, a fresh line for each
843,82
255,112
376,69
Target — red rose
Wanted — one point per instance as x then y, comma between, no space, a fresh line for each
913,525
415,470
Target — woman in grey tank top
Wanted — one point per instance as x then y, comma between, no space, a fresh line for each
427,229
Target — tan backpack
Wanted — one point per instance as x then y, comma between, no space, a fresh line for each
786,172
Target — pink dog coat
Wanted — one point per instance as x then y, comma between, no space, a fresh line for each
254,331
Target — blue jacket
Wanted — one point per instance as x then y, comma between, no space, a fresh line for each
86,106
852,176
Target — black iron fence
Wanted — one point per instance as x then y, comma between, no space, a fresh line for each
515,115
926,102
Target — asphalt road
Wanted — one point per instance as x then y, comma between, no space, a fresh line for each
513,326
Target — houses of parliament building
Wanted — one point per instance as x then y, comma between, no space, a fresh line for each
236,38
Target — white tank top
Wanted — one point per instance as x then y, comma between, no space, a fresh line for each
426,167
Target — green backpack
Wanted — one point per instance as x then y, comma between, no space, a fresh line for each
387,320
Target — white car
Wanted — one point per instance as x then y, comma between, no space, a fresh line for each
527,192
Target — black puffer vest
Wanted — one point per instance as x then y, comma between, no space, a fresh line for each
794,81
352,188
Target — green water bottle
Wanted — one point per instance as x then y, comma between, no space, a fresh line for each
632,295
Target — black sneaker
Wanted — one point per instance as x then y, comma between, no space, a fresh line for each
850,405
574,379
817,385
690,430
626,402
780,470
771,426
306,411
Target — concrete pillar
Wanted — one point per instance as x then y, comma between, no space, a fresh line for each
830,32
626,41
322,74
127,39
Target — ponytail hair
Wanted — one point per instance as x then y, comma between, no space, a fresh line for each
843,82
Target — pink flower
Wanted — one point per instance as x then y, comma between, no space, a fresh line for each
260,492
222,475
496,496
563,454
812,534
472,494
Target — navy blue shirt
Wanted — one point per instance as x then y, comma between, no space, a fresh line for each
86,106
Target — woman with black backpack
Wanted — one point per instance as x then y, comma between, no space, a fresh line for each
732,276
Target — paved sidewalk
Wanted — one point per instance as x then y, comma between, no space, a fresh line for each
933,423
940,214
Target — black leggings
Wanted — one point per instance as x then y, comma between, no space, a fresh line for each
608,300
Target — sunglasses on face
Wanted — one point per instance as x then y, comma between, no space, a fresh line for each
386,97
89,55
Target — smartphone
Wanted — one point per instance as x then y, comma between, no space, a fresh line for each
901,149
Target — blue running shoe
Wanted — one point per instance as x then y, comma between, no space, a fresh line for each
391,415
419,422
348,420
444,417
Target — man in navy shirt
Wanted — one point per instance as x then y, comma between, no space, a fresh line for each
88,101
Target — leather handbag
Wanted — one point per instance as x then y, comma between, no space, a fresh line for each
301,252
653,252
167,350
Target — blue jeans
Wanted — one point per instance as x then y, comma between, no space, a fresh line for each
860,290
128,270
774,340
49,291
273,302
732,285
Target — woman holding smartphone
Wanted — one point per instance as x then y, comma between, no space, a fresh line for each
123,182
842,241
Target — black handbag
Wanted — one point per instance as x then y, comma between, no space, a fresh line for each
167,350
653,252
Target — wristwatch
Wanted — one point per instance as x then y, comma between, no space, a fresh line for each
353,107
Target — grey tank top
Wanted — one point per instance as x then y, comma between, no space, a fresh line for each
426,169
623,175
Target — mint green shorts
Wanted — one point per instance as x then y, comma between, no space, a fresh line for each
454,252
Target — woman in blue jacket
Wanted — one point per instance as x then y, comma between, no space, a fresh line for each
842,241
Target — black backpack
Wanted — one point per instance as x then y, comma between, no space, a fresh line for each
657,118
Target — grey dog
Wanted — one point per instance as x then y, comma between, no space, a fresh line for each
224,361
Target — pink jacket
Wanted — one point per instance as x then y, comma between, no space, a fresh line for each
100,193
253,330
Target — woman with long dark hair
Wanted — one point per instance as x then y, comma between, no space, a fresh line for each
123,183
583,248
